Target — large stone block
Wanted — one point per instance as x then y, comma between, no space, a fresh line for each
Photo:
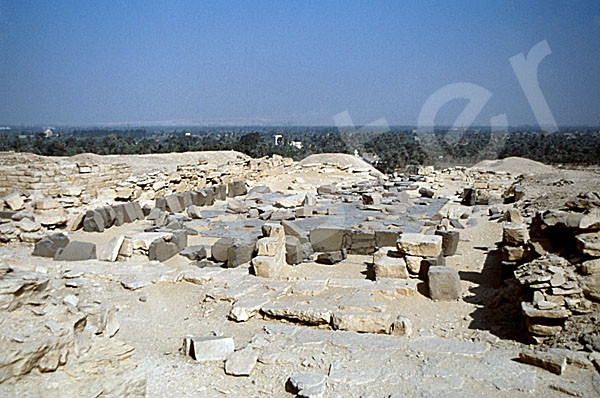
173,204
219,249
240,252
119,214
129,213
293,250
363,242
93,222
291,229
110,251
444,283
14,201
236,188
385,238
221,192
449,241
371,198
390,267
329,239
161,250
420,245
76,251
514,234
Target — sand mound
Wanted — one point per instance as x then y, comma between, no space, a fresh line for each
337,159
161,161
514,165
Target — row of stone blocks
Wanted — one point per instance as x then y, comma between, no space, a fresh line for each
177,203
105,217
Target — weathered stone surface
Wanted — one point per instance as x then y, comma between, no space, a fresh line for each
329,239
384,238
530,311
365,322
44,248
552,362
236,188
161,250
326,189
426,192
173,204
194,212
589,243
291,229
444,283
246,307
219,249
449,241
14,201
194,253
307,313
236,207
591,266
420,245
514,234
28,225
293,250
390,267
240,252
76,251
209,348
591,286
241,363
110,251
469,196
93,222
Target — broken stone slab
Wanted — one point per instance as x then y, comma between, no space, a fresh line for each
552,362
304,211
390,267
27,225
307,385
246,307
111,250
293,230
331,258
241,362
302,312
361,321
530,311
426,192
14,201
194,212
194,253
236,207
119,214
362,242
444,283
76,251
449,241
210,348
161,250
420,245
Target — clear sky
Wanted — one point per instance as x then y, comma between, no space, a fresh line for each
297,62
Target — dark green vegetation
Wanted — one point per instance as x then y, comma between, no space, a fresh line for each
388,151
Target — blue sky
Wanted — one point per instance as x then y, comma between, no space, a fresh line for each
298,62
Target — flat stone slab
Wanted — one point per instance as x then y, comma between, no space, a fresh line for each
210,348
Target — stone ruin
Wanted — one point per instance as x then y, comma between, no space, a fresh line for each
401,228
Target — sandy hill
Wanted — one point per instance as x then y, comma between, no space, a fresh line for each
338,159
514,165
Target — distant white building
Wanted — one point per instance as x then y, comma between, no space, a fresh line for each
297,144
277,138
48,133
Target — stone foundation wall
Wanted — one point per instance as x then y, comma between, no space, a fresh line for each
39,174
